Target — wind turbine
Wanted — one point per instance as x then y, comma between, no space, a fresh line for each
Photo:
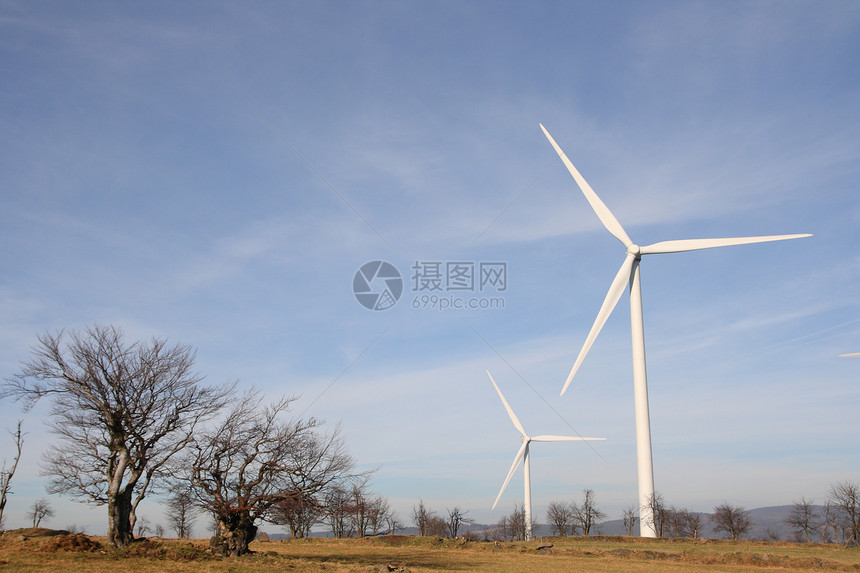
523,454
629,275
849,355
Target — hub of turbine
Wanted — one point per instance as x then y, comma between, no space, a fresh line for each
635,251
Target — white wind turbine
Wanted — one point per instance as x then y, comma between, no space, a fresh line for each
629,274
523,454
849,355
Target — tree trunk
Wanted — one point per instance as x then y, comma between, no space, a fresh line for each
235,532
120,532
296,529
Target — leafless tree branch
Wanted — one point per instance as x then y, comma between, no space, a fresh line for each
120,411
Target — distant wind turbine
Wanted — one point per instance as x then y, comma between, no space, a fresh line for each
849,355
629,275
523,454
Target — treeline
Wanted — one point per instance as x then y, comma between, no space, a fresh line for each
135,419
346,512
837,521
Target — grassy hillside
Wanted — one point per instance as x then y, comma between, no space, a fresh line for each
35,551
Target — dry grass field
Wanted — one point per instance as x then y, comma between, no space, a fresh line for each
44,550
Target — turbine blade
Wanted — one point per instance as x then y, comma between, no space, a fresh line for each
511,472
615,291
842,356
604,214
697,244
511,414
562,439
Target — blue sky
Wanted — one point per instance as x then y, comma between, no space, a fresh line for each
217,173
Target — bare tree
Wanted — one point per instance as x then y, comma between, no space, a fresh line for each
158,530
359,508
436,526
560,517
517,522
421,517
628,518
693,522
121,411
803,518
299,512
367,512
669,522
7,472
393,522
378,511
338,510
845,496
682,522
730,519
514,526
659,512
242,467
181,512
587,515
143,526
41,509
834,522
503,529
456,519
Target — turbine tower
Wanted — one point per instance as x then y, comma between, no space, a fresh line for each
629,275
523,454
